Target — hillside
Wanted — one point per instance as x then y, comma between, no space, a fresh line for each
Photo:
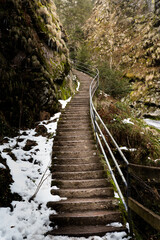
62,168
126,34
34,62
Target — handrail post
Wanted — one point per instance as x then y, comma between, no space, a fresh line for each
95,128
128,195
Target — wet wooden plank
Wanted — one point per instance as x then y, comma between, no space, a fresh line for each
145,172
149,216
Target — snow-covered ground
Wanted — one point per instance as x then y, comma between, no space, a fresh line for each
154,123
30,219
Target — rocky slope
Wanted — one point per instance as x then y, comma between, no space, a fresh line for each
127,34
33,62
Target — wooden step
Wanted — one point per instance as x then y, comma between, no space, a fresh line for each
69,117
74,125
73,129
75,137
78,103
76,112
83,94
84,192
81,134
75,153
65,148
87,183
86,217
85,231
74,122
76,167
84,204
79,175
78,160
77,107
74,143
79,98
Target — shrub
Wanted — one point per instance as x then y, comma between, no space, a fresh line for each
112,81
138,136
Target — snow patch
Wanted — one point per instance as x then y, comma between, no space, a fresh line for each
116,236
29,220
116,195
157,160
64,102
153,123
77,89
128,149
115,224
2,166
26,221
127,121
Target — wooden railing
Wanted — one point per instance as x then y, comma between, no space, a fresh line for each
145,174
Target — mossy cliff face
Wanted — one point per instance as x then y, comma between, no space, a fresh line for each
127,34
33,60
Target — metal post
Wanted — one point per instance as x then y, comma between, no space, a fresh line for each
95,128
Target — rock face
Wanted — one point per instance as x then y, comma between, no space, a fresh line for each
33,61
127,34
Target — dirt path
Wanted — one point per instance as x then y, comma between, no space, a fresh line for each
79,174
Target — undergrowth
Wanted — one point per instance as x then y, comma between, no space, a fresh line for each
137,136
142,147
112,81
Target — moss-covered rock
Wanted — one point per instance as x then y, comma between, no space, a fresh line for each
127,34
34,60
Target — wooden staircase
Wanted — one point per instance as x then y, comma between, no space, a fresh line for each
78,173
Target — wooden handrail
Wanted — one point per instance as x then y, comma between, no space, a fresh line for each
145,172
149,216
